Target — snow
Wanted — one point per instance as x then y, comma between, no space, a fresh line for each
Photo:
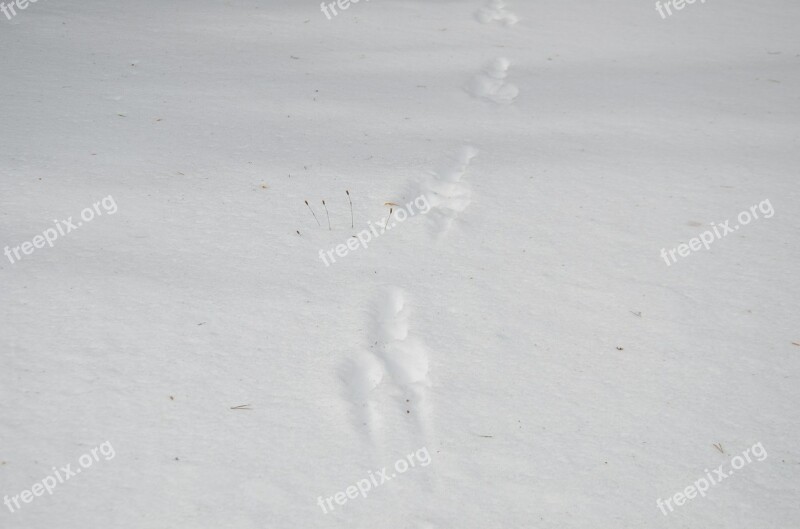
525,331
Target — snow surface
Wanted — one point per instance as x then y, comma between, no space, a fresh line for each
525,331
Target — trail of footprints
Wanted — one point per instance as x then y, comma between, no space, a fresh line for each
396,366
491,83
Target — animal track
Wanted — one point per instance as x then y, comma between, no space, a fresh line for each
361,376
446,193
405,357
491,83
396,358
496,10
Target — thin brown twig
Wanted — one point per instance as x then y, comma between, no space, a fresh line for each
387,219
312,212
351,207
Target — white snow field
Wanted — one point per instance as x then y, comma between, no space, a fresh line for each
514,351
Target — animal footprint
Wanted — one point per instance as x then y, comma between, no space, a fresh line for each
407,361
491,83
361,376
496,10
446,193
392,322
405,357
396,358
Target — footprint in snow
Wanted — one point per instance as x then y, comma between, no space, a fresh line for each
495,11
491,84
396,358
447,194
